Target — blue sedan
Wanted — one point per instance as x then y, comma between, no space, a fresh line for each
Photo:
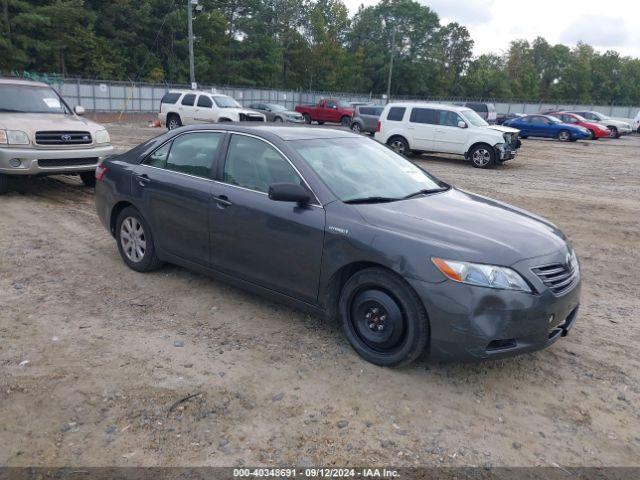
548,127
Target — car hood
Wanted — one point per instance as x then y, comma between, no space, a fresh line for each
503,129
35,122
463,226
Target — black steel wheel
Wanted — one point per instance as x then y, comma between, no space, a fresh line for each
383,318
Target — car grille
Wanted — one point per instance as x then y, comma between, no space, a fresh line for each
63,138
67,162
512,141
557,277
250,118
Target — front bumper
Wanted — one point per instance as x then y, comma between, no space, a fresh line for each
34,161
470,323
506,152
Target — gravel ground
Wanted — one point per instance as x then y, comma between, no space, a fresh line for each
100,365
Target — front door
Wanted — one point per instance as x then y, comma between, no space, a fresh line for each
277,245
450,138
173,187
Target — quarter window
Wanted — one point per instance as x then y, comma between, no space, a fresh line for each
170,98
396,114
424,115
194,153
159,157
205,101
254,164
189,99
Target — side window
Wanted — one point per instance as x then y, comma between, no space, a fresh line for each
332,105
423,115
254,164
194,153
364,111
189,99
205,101
396,114
159,157
448,119
377,111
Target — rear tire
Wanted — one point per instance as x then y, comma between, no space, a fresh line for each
564,135
135,241
173,121
614,132
88,178
593,135
356,127
482,156
307,119
4,184
399,145
345,121
382,317
278,119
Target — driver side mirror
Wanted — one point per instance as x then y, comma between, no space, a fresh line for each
289,192
462,124
79,110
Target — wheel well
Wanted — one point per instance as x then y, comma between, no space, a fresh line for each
477,144
338,279
115,211
224,119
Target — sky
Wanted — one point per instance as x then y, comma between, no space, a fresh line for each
605,25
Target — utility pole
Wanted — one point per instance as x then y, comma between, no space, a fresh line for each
192,72
393,46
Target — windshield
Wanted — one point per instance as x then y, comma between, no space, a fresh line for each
473,118
275,107
30,99
223,101
361,168
343,104
552,119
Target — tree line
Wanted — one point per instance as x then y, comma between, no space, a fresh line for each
301,44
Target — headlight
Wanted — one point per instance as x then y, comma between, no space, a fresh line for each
102,136
13,137
491,276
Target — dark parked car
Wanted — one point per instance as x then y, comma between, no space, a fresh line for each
365,118
547,126
277,113
403,260
503,117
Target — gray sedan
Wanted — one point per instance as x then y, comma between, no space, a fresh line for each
338,224
277,113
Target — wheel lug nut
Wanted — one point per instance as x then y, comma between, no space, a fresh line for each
368,315
383,318
372,326
380,327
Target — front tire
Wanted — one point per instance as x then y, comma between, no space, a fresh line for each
88,178
614,132
383,318
356,127
4,184
482,156
173,121
135,241
399,145
307,119
564,136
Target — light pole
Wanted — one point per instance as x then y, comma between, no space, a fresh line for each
393,46
192,70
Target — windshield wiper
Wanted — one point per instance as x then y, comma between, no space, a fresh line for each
372,200
424,192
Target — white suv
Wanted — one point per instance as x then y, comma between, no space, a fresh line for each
425,127
191,107
636,123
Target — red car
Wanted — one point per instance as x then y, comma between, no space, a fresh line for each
597,130
327,110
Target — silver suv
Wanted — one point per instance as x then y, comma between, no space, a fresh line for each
365,118
41,135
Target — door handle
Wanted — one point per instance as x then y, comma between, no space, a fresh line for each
222,201
143,179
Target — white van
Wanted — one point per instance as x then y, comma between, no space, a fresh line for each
429,127
190,107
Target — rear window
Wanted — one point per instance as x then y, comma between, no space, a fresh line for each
171,97
189,99
396,114
424,115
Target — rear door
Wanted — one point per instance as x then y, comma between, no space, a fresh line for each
449,137
277,245
186,109
422,128
173,188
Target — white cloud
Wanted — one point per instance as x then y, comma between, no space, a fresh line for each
495,23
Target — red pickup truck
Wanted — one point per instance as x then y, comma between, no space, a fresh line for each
327,110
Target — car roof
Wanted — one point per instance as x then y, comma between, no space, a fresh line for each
199,92
286,132
441,106
20,81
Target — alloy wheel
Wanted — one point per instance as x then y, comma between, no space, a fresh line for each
133,239
398,146
173,123
356,128
564,136
481,157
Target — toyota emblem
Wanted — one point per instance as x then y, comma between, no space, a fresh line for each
66,137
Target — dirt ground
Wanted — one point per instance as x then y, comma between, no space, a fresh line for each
100,365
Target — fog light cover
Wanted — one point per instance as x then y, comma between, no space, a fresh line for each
15,162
